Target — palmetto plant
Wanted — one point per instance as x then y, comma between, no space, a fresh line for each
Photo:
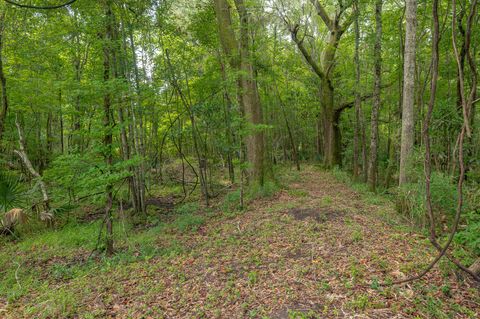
11,197
11,193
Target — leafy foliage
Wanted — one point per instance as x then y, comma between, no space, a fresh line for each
411,198
11,192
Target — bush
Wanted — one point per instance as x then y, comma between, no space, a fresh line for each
188,222
341,176
231,202
188,219
411,198
187,208
256,191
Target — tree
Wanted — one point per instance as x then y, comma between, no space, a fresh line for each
358,141
238,53
408,122
377,56
3,80
107,124
331,111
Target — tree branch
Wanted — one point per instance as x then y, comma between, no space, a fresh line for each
348,21
323,14
314,65
40,7
350,104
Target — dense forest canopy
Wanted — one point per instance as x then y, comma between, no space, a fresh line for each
119,105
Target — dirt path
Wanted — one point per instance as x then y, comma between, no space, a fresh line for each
316,250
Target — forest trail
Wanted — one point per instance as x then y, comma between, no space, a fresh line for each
317,249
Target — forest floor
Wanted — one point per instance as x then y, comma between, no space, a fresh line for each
315,249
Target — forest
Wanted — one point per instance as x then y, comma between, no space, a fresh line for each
239,159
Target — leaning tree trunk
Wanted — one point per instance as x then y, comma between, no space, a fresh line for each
21,152
408,124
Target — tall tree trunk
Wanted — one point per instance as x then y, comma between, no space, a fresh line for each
238,54
331,130
228,125
319,136
138,136
408,124
463,53
358,102
49,136
3,81
107,127
284,113
372,166
62,138
121,70
251,99
75,138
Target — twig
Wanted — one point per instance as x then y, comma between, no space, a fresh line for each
16,274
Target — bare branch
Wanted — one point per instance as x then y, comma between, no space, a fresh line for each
40,7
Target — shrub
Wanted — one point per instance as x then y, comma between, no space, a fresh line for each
11,193
187,208
188,222
231,202
470,236
256,191
340,175
411,198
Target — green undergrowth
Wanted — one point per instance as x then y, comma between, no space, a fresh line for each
49,273
409,201
231,203
67,253
379,198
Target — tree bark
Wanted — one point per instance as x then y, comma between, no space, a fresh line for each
107,127
3,81
372,166
408,124
62,138
251,99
